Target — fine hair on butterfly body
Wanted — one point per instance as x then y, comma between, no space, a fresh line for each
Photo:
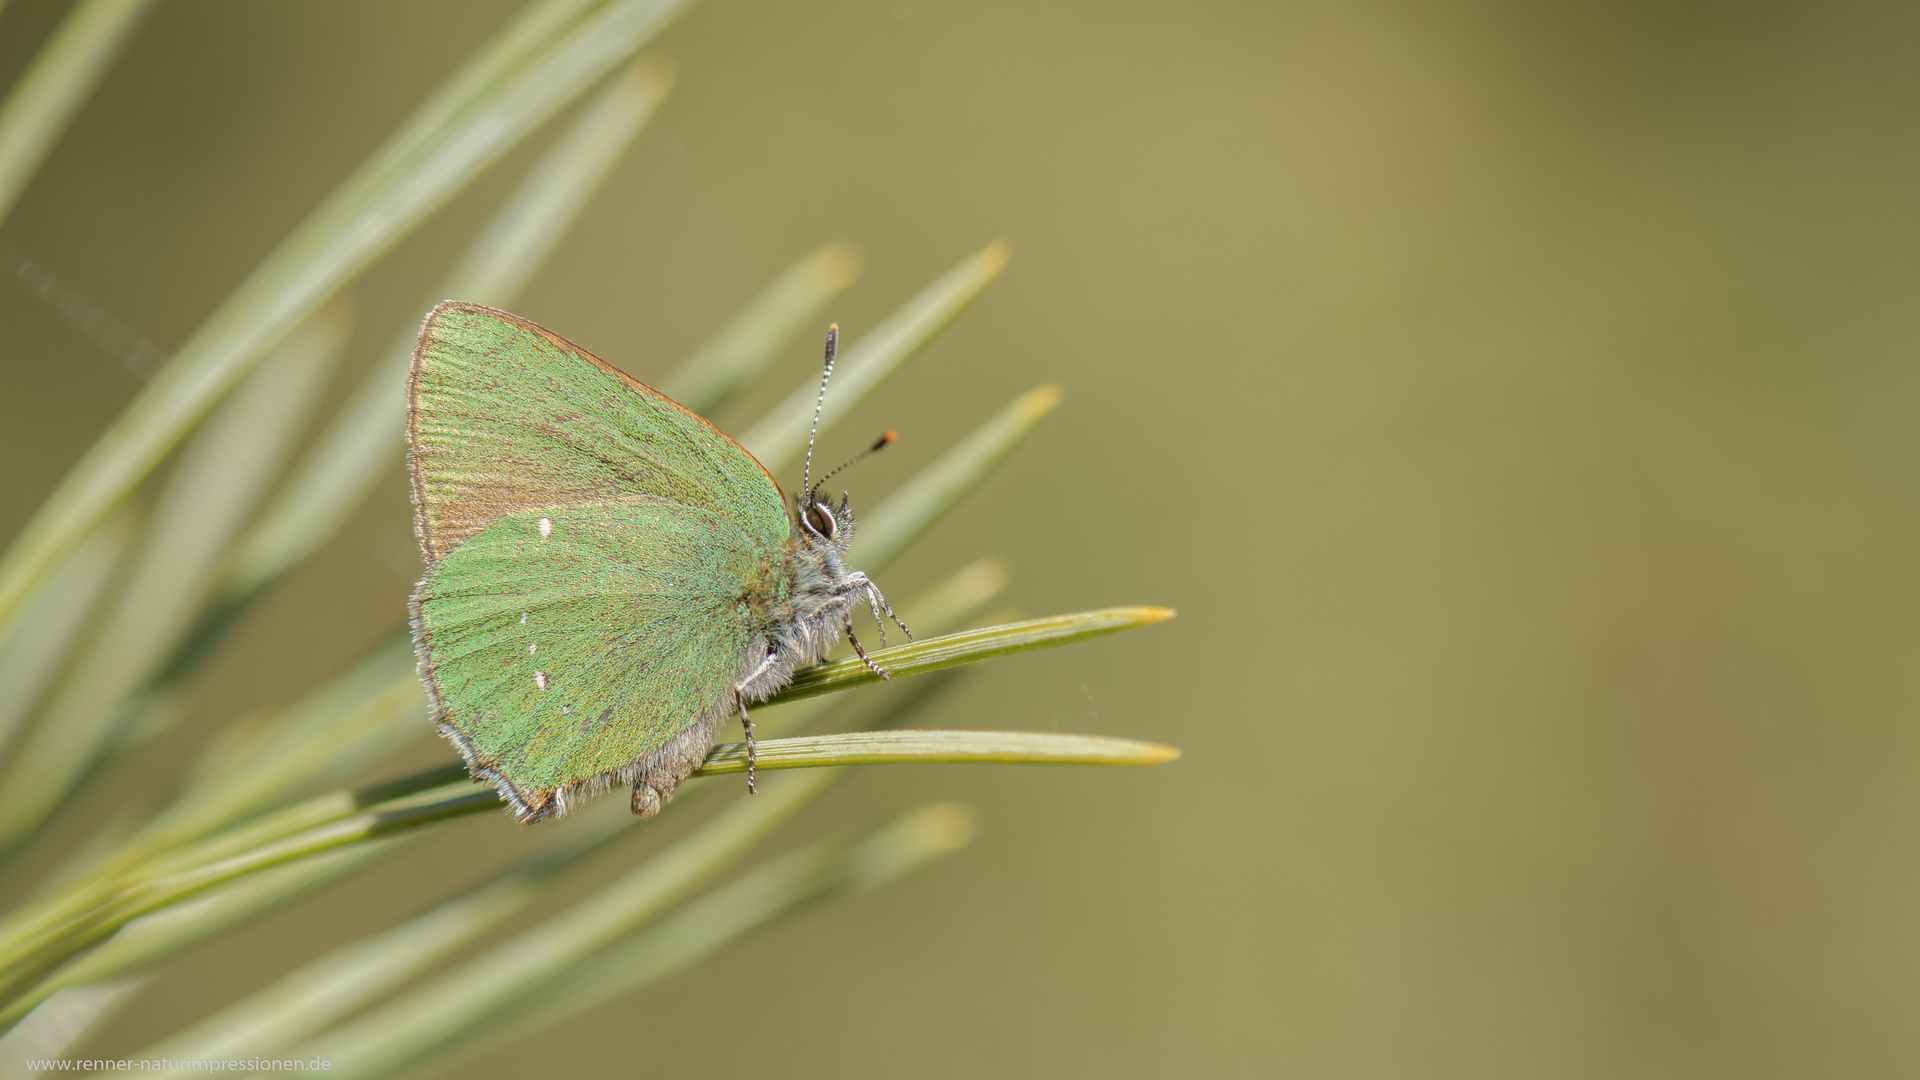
609,577
822,593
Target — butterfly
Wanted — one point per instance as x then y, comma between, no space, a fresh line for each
609,576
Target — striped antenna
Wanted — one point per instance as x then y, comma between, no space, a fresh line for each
833,341
886,437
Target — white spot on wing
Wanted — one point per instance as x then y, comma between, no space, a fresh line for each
523,618
531,649
546,528
539,680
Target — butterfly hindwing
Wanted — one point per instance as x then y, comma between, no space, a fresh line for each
566,643
504,416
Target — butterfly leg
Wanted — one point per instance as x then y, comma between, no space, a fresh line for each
874,594
858,584
877,620
740,702
746,725
864,658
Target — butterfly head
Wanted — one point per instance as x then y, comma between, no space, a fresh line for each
821,522
818,517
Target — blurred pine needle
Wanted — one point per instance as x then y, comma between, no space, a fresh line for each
107,611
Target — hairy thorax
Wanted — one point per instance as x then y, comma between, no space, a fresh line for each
798,604
806,622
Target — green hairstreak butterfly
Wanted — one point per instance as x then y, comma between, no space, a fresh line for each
609,577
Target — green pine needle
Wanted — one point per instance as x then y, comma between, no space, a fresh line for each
756,337
932,747
969,647
364,440
57,84
781,435
551,54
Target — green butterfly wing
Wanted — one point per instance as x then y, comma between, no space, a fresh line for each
505,415
566,645
602,562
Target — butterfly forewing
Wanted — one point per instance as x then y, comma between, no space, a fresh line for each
505,415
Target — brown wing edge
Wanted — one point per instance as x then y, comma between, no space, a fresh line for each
421,529
654,776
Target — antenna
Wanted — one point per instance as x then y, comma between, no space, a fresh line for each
833,340
886,437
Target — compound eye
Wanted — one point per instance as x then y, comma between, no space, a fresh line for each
820,520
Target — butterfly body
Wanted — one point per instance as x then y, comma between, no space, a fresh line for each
609,577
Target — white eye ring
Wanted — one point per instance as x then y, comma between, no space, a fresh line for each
819,519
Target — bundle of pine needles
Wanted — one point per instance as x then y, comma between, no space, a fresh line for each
108,610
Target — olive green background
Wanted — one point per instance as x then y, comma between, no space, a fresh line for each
1515,400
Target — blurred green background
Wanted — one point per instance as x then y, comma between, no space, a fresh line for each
1513,399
